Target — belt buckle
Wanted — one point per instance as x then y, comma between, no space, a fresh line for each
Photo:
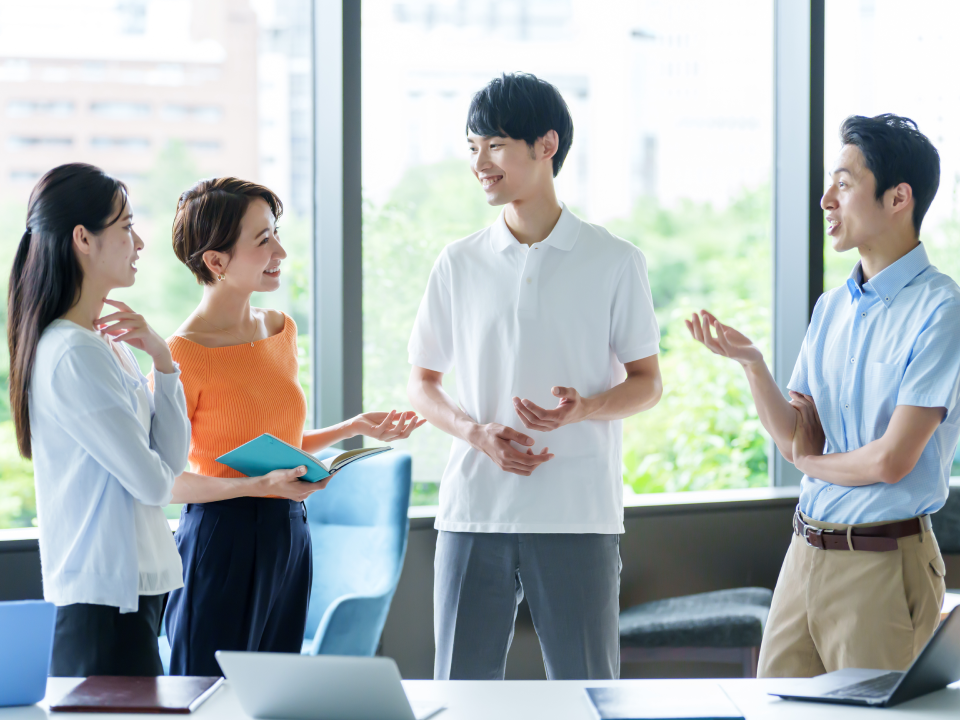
804,530
809,530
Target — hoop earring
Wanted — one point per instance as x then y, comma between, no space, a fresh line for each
220,277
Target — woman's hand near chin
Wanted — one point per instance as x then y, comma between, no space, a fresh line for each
386,427
132,328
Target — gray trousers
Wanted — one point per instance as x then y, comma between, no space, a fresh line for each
572,585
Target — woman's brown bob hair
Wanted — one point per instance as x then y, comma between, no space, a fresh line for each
208,218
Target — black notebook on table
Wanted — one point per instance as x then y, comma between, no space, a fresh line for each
661,701
110,694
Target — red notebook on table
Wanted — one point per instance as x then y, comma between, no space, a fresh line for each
109,694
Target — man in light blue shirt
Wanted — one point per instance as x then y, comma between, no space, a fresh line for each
872,421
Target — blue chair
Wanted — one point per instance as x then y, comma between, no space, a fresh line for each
26,644
359,527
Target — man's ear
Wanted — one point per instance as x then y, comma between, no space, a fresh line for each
549,144
81,240
900,197
216,262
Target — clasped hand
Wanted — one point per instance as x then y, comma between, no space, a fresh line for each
808,437
496,440
569,410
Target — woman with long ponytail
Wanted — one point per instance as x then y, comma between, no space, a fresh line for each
105,448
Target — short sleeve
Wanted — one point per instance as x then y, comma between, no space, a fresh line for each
431,342
634,333
800,379
932,375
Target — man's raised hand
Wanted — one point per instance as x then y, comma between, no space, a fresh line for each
494,440
570,409
723,339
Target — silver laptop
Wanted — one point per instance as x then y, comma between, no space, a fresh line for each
319,687
937,665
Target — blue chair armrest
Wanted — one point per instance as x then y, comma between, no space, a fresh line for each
351,625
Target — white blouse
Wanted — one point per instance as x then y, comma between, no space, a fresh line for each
158,560
95,463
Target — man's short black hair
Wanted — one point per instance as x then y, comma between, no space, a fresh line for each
895,151
523,107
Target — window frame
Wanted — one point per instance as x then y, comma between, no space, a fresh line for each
337,272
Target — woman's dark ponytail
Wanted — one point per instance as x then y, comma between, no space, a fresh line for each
46,277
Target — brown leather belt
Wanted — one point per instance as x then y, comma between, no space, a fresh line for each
878,538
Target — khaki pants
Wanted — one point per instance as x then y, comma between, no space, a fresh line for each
836,609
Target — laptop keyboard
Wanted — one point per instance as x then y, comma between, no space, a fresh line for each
872,689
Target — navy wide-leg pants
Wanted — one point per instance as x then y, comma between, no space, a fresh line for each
247,571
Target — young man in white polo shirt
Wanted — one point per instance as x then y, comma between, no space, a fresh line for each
549,322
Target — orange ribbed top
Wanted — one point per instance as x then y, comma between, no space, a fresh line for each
239,392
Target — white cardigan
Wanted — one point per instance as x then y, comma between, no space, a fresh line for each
92,458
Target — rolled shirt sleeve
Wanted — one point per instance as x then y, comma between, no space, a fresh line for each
94,408
634,333
431,342
932,375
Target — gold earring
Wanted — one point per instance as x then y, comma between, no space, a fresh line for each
220,277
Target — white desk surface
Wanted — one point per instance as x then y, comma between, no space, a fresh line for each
564,700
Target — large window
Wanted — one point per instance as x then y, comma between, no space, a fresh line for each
672,105
886,57
159,93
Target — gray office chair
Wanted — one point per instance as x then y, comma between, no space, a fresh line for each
725,626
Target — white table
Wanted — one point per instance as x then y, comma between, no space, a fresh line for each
950,601
565,700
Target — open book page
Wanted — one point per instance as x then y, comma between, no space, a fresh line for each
345,458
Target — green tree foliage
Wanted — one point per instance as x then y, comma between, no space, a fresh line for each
704,434
18,506
432,205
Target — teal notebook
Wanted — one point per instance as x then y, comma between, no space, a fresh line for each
267,453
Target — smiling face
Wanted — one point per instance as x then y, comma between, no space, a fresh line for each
508,169
111,255
253,265
855,218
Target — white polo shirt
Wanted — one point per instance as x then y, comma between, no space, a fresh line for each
516,321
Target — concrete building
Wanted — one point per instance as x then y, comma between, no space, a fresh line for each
112,83
669,100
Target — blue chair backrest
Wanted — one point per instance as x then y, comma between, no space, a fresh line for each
26,643
358,527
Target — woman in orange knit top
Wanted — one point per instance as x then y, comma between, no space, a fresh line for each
244,541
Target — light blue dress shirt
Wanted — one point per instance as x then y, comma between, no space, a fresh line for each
893,340
92,458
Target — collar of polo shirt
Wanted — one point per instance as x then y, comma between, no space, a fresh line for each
563,236
888,283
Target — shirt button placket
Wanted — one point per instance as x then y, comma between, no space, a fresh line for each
528,285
